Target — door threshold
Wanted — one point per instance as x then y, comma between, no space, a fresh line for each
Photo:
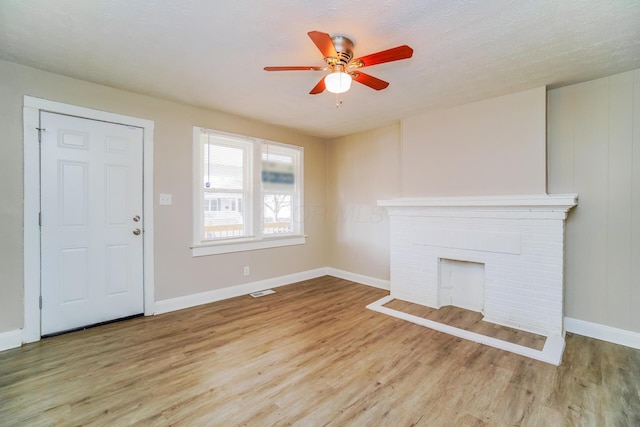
93,325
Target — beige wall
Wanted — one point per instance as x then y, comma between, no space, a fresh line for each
176,272
363,168
491,147
594,150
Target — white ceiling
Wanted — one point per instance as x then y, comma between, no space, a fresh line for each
210,53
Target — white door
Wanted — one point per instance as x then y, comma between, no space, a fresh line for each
91,233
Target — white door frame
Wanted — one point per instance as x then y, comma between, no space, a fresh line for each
31,115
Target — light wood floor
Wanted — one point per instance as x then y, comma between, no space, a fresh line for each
470,321
309,355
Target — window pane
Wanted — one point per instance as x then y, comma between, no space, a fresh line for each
277,157
223,167
223,215
278,169
277,214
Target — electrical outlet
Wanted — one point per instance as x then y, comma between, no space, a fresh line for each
165,199
247,270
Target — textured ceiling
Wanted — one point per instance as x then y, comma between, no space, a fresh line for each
210,53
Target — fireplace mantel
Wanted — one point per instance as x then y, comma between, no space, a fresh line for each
554,202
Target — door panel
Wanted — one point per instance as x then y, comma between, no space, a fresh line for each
74,275
117,269
91,189
116,186
72,185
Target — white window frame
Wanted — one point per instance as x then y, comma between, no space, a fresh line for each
297,208
253,207
248,149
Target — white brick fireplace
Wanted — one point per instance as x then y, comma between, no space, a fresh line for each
517,240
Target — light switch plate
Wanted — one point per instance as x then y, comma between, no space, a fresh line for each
165,199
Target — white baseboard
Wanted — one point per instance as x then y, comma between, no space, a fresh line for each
193,300
602,332
359,278
10,339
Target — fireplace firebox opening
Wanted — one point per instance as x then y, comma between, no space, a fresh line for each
461,284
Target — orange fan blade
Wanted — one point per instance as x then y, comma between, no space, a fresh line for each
323,42
301,68
393,54
367,80
319,88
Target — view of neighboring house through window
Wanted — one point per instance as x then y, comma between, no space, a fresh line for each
224,189
248,188
279,189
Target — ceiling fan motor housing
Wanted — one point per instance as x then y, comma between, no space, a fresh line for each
344,50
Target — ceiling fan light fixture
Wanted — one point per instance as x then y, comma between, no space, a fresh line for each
338,82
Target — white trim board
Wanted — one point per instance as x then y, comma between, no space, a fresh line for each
179,303
359,278
186,301
10,339
602,332
551,352
31,115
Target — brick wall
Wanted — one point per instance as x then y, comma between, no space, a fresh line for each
520,246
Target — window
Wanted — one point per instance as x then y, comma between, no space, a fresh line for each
278,189
248,193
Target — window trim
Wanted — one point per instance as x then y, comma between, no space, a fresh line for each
257,240
245,244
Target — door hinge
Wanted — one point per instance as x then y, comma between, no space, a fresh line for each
40,219
40,134
40,302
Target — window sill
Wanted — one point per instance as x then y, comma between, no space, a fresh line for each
241,245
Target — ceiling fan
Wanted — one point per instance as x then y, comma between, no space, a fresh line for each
338,54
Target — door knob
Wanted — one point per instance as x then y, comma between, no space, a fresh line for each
137,231
136,218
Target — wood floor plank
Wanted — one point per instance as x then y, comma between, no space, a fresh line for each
470,321
310,354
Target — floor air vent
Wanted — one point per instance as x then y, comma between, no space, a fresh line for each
262,293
